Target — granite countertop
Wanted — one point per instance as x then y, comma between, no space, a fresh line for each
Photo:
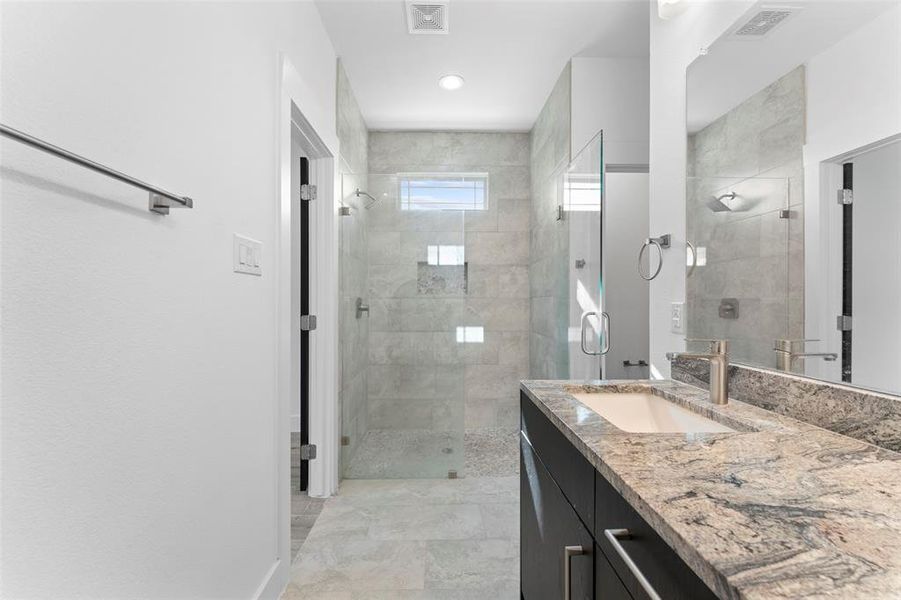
780,509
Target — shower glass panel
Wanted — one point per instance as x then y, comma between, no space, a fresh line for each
410,407
582,200
745,277
353,268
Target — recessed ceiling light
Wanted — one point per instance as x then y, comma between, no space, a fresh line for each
451,82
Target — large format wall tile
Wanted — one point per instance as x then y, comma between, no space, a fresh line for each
498,247
498,281
549,238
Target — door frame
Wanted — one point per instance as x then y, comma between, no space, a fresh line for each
302,118
823,255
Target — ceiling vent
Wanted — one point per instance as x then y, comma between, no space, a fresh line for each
762,23
427,17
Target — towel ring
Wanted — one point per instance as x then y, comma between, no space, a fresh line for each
694,259
660,243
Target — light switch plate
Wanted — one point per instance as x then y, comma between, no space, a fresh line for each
677,317
248,256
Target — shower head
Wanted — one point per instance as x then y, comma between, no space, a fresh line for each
358,192
717,204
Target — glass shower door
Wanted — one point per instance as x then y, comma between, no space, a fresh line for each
588,322
419,338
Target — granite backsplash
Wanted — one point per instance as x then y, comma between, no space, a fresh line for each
861,414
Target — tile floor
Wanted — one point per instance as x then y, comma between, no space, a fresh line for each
491,452
413,539
304,511
424,453
406,453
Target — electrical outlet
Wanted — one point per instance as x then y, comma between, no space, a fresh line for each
677,317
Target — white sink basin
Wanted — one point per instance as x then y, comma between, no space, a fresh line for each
647,413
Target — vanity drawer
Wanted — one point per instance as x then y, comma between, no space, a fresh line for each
666,573
569,469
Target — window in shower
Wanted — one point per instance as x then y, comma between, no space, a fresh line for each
443,191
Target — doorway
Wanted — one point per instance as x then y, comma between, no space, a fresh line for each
306,130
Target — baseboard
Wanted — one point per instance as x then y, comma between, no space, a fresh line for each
273,583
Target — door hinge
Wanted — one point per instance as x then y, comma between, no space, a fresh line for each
307,322
307,192
845,196
308,452
843,323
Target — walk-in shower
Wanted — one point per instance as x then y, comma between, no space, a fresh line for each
465,277
441,260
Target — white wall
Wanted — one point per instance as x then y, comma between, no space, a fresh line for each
139,373
876,273
868,61
611,94
626,298
675,43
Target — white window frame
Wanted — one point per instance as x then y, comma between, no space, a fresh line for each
449,176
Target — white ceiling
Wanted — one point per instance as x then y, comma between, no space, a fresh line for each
510,54
735,69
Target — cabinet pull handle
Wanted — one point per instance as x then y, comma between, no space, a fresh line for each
614,536
568,553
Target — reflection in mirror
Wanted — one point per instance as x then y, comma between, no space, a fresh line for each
793,199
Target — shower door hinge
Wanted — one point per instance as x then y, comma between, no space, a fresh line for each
308,452
307,322
560,212
843,323
307,192
845,197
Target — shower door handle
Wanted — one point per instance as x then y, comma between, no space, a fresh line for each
605,323
605,326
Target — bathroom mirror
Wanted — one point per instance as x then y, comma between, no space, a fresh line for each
793,199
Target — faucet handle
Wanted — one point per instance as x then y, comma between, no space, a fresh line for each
716,346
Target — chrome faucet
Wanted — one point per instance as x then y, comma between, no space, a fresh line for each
718,357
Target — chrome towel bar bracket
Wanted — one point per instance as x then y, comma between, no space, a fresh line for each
661,243
160,200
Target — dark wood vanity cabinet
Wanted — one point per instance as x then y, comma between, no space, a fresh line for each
549,525
565,503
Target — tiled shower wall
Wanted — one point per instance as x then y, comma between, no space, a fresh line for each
420,378
754,254
353,270
549,252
